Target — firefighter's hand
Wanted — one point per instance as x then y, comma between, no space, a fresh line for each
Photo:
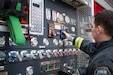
68,36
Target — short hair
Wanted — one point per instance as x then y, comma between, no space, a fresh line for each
105,19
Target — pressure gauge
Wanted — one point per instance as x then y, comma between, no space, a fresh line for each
29,70
55,42
67,19
34,42
60,17
45,42
60,42
2,41
73,29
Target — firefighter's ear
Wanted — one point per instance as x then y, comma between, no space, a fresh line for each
100,29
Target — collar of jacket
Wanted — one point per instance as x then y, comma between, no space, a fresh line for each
102,45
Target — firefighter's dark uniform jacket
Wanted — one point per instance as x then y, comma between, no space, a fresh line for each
101,56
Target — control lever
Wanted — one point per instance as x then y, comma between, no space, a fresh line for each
55,52
49,53
34,54
41,54
13,55
25,55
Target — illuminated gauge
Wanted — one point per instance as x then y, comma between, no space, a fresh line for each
60,42
67,19
55,42
2,41
45,42
29,70
34,42
73,29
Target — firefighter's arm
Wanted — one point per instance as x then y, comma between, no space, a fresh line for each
81,43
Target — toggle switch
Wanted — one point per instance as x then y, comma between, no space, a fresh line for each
74,51
66,52
61,52
49,53
34,54
42,54
70,51
55,53
25,55
55,42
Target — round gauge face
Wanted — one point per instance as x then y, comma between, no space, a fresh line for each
34,42
55,42
60,17
67,19
60,42
73,29
29,70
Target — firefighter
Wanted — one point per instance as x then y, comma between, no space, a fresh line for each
100,51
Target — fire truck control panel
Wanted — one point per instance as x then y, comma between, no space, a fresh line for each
31,38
